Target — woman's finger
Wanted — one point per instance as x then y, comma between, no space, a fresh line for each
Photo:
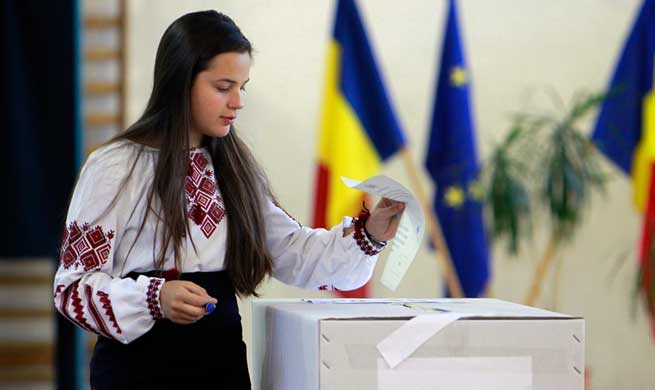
194,312
180,318
393,227
388,212
195,299
385,202
195,289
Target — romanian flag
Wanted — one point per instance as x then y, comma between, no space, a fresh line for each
625,132
452,163
358,128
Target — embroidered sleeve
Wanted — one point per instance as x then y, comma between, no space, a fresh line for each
316,259
87,290
154,288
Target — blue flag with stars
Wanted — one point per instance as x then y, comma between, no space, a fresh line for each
452,163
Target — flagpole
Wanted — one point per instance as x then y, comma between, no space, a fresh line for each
434,228
540,273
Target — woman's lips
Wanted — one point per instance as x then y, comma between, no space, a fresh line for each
228,120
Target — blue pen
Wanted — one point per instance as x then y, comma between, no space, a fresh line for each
210,307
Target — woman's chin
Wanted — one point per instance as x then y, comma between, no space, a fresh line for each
220,132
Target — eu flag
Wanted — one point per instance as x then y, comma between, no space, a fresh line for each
453,165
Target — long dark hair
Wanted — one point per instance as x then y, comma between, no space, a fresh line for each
186,49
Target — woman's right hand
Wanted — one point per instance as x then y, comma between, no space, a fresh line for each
183,302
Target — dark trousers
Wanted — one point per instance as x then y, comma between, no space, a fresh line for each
209,354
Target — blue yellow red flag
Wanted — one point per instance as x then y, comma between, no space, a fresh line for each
358,127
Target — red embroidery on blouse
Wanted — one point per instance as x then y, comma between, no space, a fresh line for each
59,289
78,309
199,160
100,322
204,204
170,274
152,297
63,306
89,248
106,304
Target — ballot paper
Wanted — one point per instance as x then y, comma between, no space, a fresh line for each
410,230
402,343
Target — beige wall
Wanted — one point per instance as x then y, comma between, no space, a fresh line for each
516,49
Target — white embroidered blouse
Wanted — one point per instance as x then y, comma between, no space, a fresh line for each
99,248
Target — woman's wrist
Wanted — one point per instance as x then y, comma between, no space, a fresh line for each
366,241
374,241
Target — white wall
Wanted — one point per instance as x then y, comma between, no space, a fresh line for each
515,50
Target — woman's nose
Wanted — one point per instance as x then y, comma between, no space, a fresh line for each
236,102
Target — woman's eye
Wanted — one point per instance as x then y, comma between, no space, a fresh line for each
223,89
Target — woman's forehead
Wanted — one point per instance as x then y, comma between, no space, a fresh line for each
230,65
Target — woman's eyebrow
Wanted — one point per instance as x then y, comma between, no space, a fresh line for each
231,81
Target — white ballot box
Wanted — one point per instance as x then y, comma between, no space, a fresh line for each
412,344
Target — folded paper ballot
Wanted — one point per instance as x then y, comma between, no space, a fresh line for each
410,230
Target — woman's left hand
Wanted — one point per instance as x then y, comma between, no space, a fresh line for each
383,222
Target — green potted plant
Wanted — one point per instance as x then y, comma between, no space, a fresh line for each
545,162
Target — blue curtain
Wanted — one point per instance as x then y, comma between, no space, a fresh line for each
39,114
40,142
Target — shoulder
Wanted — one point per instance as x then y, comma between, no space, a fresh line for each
116,158
112,155
112,163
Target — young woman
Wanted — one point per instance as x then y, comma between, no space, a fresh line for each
174,214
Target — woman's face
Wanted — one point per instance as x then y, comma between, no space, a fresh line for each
217,95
